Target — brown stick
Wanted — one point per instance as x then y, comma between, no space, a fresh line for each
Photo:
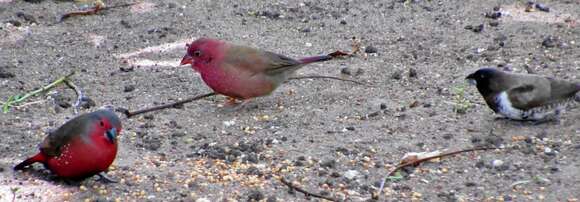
307,193
418,161
170,105
92,11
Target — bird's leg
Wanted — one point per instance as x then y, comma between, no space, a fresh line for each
105,179
231,102
238,106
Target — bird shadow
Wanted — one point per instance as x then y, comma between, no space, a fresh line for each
525,123
45,175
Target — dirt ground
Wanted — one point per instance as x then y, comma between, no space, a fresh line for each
332,138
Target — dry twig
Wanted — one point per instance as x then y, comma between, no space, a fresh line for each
418,161
307,193
94,10
130,114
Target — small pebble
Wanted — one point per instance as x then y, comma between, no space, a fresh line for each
550,42
202,200
397,75
548,151
497,163
27,17
383,106
87,102
542,7
351,72
328,164
15,23
351,174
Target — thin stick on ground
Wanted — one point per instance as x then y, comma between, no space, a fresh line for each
418,161
94,10
307,193
79,93
130,114
325,77
12,100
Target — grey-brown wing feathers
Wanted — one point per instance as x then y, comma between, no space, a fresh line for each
56,139
279,64
541,91
257,61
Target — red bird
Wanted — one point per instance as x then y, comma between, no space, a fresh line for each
241,72
82,147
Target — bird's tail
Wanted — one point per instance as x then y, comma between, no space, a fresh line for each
40,157
313,59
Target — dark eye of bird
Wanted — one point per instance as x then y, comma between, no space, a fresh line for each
197,53
102,124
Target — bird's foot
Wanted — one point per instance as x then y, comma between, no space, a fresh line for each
106,179
500,118
232,104
555,119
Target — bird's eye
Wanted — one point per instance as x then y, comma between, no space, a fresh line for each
196,53
102,124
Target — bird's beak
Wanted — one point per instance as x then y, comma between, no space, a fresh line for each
187,59
471,79
112,135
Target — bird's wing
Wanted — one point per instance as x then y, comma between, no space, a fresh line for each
53,143
531,94
259,61
563,89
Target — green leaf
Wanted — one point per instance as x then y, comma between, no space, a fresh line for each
396,177
7,104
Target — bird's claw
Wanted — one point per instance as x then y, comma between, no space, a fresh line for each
106,179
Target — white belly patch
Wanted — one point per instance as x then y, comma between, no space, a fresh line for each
505,108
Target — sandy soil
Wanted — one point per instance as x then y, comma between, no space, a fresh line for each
330,137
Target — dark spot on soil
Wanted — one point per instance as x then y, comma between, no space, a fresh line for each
397,75
272,199
127,69
412,73
351,71
305,30
26,17
15,23
129,88
371,49
273,15
125,24
550,41
328,163
87,102
255,195
476,29
4,74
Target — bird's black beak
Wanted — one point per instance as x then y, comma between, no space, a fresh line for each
187,59
471,79
112,135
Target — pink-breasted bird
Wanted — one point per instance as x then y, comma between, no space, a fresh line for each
82,147
241,72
